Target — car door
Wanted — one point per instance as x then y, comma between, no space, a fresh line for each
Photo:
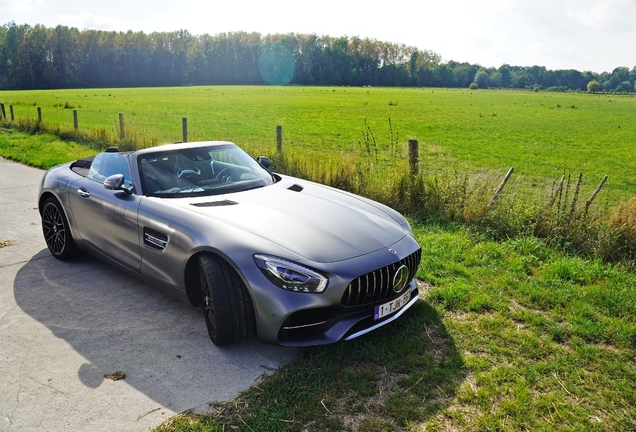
107,219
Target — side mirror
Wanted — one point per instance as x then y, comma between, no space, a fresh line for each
264,161
116,182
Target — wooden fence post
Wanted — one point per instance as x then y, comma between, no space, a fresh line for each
75,124
3,113
11,111
414,156
184,128
122,126
279,138
39,114
598,189
501,186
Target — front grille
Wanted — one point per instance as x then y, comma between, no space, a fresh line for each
377,285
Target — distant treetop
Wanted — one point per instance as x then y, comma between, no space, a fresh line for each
65,57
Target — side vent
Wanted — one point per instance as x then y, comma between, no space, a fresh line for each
215,203
155,239
295,188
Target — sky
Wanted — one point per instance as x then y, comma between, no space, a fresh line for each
587,35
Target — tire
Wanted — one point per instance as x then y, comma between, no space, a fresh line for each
227,306
57,234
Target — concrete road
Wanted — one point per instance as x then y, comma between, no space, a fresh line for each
64,325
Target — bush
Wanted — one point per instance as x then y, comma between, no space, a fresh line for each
593,86
473,86
557,89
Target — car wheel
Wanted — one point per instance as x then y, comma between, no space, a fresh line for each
57,234
227,307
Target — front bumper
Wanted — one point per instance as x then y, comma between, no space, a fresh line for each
345,310
328,325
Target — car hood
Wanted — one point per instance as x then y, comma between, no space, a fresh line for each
322,224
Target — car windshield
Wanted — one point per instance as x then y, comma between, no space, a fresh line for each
201,171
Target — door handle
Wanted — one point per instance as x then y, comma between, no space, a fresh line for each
83,193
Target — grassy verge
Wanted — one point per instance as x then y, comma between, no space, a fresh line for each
511,335
42,150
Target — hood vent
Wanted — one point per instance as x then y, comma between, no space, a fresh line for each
295,188
215,203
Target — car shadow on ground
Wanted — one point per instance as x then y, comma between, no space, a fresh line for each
117,323
403,375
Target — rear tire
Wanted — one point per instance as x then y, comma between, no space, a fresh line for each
227,306
57,234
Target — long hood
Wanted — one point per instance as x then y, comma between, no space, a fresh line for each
319,223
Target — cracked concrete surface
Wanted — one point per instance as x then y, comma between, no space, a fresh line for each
64,325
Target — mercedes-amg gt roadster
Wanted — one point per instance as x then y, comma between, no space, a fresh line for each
287,260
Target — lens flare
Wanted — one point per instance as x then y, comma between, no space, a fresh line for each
276,64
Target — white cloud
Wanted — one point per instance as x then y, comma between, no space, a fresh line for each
20,5
89,20
609,16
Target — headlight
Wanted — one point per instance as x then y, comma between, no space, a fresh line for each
290,276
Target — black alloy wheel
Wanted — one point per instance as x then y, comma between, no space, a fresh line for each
57,234
227,306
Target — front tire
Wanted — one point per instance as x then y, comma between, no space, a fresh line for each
227,306
57,234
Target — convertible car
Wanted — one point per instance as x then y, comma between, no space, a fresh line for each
290,261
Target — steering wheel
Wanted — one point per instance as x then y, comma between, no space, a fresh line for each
225,175
194,170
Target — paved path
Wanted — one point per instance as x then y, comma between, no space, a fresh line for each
64,325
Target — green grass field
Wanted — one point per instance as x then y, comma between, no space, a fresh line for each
536,133
516,334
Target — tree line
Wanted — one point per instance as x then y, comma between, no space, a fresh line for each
39,57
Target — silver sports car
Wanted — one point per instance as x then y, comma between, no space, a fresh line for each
293,262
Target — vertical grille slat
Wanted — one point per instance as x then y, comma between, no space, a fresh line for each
377,286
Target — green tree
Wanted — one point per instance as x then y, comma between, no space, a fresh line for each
496,79
482,79
621,74
593,87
